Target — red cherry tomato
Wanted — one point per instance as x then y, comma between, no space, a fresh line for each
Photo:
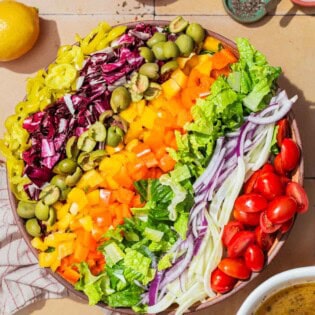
278,165
230,230
247,217
221,282
239,243
235,267
264,240
284,180
286,226
266,225
254,258
297,192
269,185
290,154
251,203
283,131
267,168
250,185
281,209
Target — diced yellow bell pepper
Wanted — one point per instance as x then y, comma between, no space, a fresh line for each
64,223
182,61
132,144
111,183
170,88
77,195
93,197
205,64
134,131
180,77
54,239
211,44
47,259
65,249
90,179
110,166
148,117
113,150
55,265
87,223
140,107
39,244
130,113
63,211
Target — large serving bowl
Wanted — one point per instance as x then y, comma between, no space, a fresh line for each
279,241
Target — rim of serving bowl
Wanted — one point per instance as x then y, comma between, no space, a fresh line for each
280,239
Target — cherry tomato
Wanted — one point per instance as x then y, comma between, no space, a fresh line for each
250,185
247,217
290,154
266,225
286,226
283,131
267,168
235,267
284,180
269,185
230,230
278,165
281,209
221,282
251,203
254,258
239,243
297,192
264,240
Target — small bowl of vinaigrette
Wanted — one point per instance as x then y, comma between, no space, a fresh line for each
289,292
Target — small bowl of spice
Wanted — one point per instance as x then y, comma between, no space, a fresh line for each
246,11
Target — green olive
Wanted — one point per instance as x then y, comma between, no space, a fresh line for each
105,115
26,209
98,131
153,91
49,194
170,50
42,211
84,161
156,38
64,193
72,150
52,217
196,32
147,54
150,70
185,44
178,25
120,99
169,66
97,156
85,142
136,97
139,83
67,166
71,180
158,50
59,181
115,135
33,228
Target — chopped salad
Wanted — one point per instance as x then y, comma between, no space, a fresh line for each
152,166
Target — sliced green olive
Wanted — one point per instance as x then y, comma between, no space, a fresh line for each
169,66
156,38
84,161
97,156
67,166
52,217
136,97
185,44
179,24
150,70
120,99
115,135
85,142
64,193
50,194
153,91
139,83
33,228
59,181
196,32
147,54
26,209
170,50
98,131
105,115
42,211
72,150
71,180
158,50
120,122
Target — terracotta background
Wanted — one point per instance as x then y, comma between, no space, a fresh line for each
285,36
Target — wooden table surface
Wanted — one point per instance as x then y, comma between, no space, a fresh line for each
285,36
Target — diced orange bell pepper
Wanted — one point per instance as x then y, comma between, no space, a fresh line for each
170,88
166,163
211,44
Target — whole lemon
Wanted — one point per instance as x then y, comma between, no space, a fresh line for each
19,29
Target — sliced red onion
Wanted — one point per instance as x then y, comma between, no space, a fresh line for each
154,288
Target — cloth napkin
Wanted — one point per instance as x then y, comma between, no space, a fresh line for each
22,282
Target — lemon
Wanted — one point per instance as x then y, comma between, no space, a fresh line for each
19,29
